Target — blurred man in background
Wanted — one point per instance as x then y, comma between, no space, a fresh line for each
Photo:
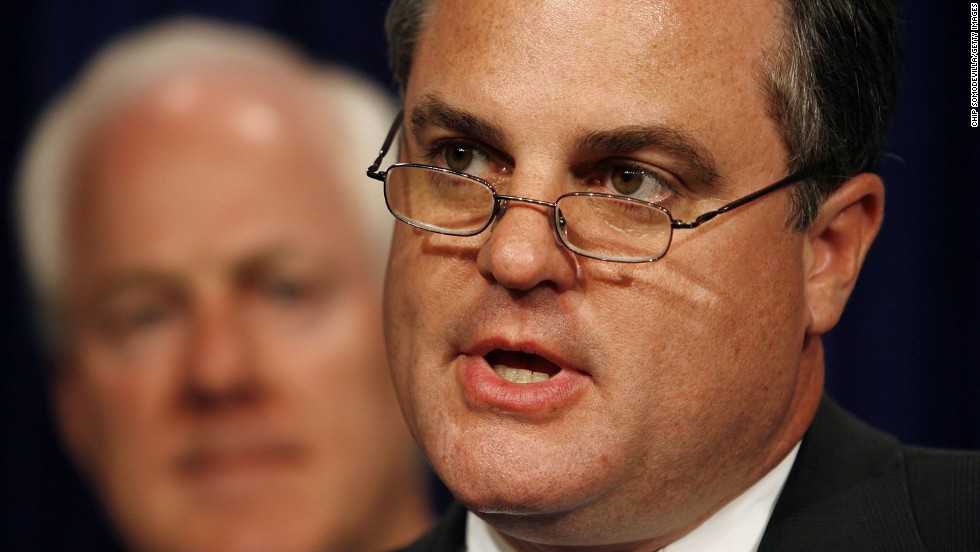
207,255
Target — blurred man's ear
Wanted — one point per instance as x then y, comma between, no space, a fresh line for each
70,413
836,245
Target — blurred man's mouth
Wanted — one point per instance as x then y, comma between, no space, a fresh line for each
237,456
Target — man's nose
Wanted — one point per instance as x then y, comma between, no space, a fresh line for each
522,252
219,367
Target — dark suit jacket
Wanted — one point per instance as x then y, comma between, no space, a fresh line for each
852,488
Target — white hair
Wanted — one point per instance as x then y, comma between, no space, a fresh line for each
131,64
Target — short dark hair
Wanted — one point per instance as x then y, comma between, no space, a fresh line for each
832,84
831,80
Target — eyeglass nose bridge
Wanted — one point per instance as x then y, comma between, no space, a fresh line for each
502,201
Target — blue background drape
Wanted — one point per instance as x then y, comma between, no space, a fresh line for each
904,357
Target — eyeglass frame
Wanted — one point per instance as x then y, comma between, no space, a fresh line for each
499,199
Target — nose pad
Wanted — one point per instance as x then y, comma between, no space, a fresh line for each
502,205
558,222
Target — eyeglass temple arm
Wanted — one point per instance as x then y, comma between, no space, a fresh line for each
392,132
796,176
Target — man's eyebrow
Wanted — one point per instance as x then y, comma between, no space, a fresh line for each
139,279
434,111
633,138
266,256
146,277
135,279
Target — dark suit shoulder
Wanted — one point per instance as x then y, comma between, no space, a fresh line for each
944,489
854,488
449,535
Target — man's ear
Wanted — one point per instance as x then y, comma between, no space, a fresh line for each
71,414
837,243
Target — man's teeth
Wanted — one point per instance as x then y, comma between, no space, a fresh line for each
519,375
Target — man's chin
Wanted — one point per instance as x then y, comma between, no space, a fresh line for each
247,528
498,493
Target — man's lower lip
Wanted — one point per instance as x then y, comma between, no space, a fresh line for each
484,388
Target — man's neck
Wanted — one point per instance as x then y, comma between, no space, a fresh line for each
736,527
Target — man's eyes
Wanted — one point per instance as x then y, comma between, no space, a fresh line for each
461,157
128,318
612,176
288,290
635,181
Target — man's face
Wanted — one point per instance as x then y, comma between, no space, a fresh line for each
226,384
673,385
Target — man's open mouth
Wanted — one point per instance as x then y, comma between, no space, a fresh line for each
518,367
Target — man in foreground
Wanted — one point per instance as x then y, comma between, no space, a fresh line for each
626,227
210,277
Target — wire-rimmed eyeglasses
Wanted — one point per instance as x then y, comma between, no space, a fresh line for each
600,226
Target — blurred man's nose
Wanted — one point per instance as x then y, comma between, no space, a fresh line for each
220,371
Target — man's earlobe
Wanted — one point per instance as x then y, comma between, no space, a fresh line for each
837,243
70,414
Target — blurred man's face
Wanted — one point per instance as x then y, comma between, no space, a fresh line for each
226,385
673,385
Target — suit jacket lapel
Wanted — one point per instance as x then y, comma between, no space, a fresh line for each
847,491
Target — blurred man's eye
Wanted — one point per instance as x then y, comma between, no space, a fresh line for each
289,290
288,295
127,319
147,316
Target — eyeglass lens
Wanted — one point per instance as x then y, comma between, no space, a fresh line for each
604,227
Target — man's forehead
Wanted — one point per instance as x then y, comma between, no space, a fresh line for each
602,43
600,65
632,18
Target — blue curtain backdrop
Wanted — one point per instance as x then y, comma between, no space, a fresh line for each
904,357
